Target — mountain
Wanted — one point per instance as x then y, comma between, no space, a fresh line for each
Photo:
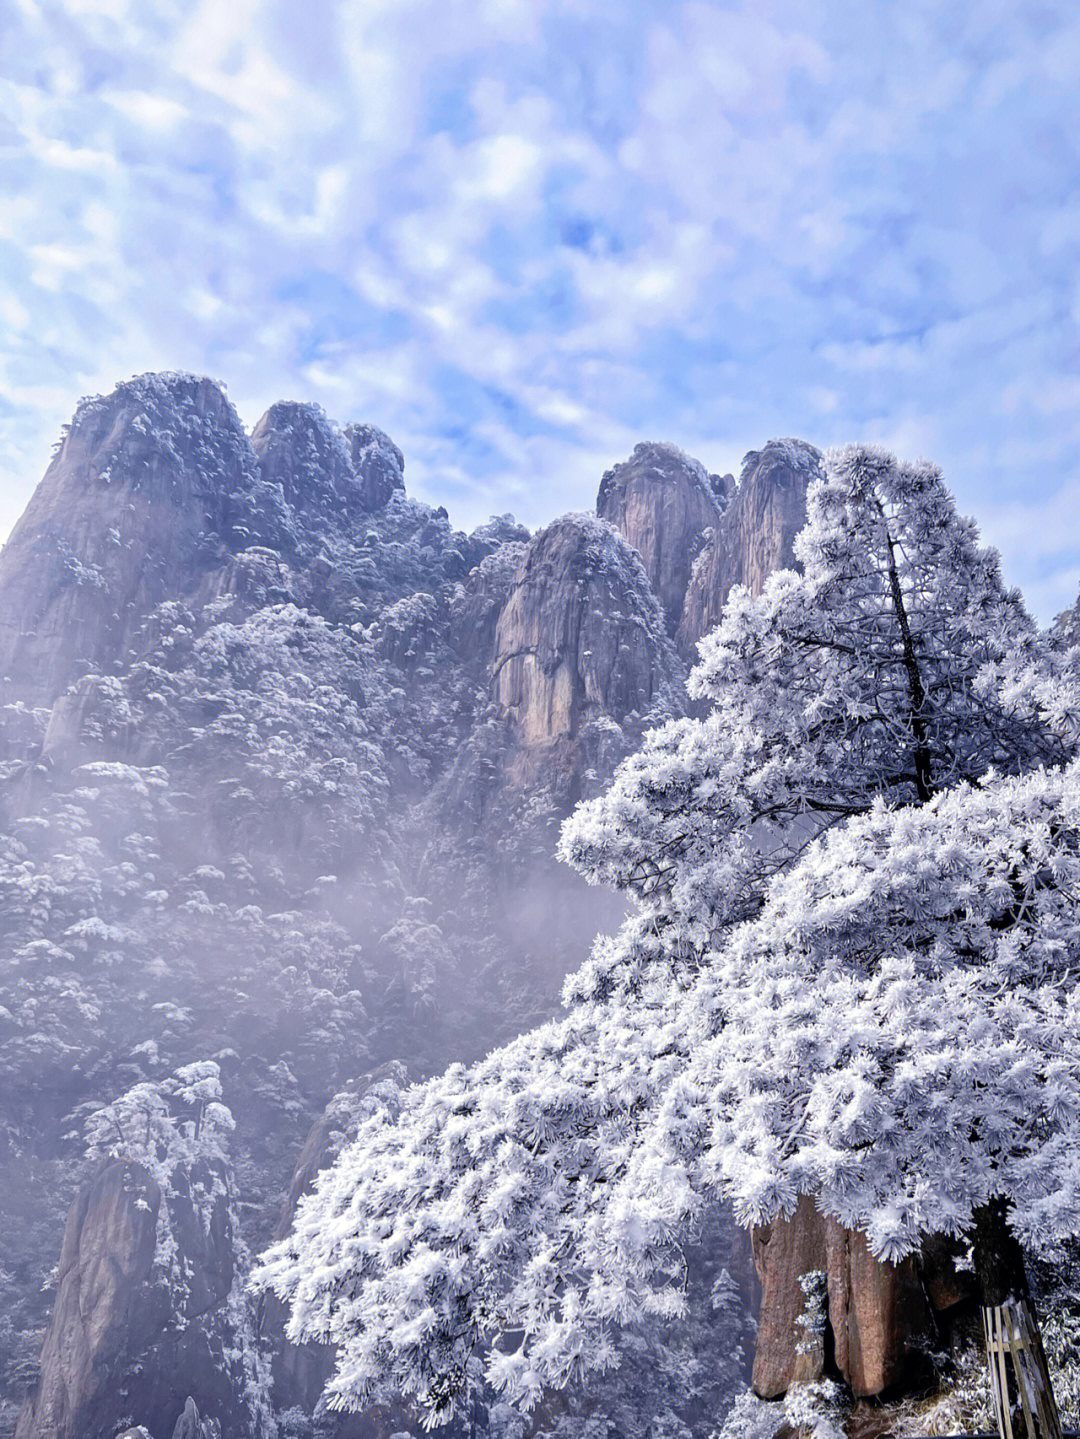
754,536
665,505
283,758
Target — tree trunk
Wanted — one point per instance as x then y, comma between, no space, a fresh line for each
1024,1401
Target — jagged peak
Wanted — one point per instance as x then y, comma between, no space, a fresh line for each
793,454
378,463
163,428
167,403
300,419
500,530
667,450
581,636
582,539
300,448
162,395
581,528
665,462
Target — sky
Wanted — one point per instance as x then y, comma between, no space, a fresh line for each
521,235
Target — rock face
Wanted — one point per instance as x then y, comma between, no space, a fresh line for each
876,1314
581,636
377,462
298,449
117,1342
149,485
155,489
191,1424
662,502
755,535
105,1269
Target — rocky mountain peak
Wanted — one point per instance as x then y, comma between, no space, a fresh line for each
299,449
159,435
662,502
148,485
781,463
581,635
378,463
755,535
166,401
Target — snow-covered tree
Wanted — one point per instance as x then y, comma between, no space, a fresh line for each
898,1034
511,1203
171,1128
887,668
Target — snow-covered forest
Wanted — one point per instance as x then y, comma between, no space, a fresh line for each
602,983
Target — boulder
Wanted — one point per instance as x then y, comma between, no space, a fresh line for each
876,1314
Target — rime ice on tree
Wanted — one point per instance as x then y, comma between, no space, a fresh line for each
546,1191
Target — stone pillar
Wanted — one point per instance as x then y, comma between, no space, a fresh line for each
877,1313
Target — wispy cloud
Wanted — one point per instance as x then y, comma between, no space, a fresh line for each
522,235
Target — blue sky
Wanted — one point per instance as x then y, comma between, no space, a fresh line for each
522,235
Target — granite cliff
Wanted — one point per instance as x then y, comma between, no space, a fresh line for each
755,534
664,505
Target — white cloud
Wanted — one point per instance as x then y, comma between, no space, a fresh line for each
522,235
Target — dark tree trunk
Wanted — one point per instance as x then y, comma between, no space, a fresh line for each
924,775
1019,1379
999,1260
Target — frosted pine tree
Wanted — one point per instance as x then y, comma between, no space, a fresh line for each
897,1034
513,1206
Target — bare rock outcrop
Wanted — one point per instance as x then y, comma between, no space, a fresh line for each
377,462
581,637
104,1289
755,534
149,486
876,1314
192,1425
121,1340
662,502
299,450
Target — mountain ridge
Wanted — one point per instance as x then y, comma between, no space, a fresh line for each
284,759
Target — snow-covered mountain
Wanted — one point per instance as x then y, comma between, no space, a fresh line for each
283,759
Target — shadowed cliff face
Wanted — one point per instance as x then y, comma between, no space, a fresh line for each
581,636
662,503
755,535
